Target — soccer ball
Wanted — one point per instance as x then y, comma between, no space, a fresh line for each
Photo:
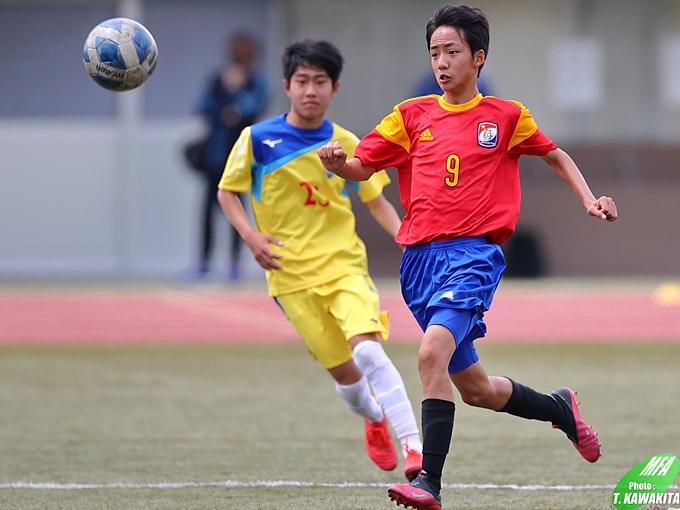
120,54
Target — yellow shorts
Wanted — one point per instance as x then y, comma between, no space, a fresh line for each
328,315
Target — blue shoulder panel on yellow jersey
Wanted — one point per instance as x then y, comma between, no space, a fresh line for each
275,143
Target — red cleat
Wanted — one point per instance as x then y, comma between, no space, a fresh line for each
577,430
418,494
413,464
379,445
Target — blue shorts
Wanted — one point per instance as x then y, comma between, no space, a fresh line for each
452,284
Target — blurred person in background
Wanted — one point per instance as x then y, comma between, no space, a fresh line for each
234,98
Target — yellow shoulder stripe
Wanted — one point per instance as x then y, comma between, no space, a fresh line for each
526,126
392,128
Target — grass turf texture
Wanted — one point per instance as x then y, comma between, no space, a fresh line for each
143,417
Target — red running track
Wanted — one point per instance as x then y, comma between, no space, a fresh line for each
223,315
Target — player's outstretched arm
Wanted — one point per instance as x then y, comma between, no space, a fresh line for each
334,158
258,242
565,168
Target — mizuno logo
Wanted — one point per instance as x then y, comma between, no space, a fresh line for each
425,136
272,143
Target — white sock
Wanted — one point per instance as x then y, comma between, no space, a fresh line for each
358,398
389,389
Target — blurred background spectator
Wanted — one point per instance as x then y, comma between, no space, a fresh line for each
234,98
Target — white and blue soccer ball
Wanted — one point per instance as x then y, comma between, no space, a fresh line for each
120,54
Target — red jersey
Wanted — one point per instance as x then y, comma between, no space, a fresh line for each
458,165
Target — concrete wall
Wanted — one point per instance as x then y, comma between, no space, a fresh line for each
108,196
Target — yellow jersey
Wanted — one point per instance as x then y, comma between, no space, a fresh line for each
296,200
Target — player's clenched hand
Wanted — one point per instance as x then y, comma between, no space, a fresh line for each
332,156
260,245
603,208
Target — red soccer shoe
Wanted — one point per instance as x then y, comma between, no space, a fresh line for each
577,430
418,494
379,445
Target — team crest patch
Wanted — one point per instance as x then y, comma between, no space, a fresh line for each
487,134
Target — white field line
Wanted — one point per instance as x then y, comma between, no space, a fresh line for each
286,483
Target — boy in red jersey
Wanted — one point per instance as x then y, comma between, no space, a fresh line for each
457,160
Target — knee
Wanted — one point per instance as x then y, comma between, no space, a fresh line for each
346,374
429,359
477,396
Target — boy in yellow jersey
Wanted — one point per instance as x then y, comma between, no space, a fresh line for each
315,262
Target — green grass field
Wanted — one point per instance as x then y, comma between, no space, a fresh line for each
203,427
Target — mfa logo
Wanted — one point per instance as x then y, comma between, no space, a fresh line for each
647,482
487,134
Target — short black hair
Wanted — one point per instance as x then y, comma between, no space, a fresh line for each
469,22
312,53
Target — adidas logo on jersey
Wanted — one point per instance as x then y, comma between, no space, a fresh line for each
425,136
